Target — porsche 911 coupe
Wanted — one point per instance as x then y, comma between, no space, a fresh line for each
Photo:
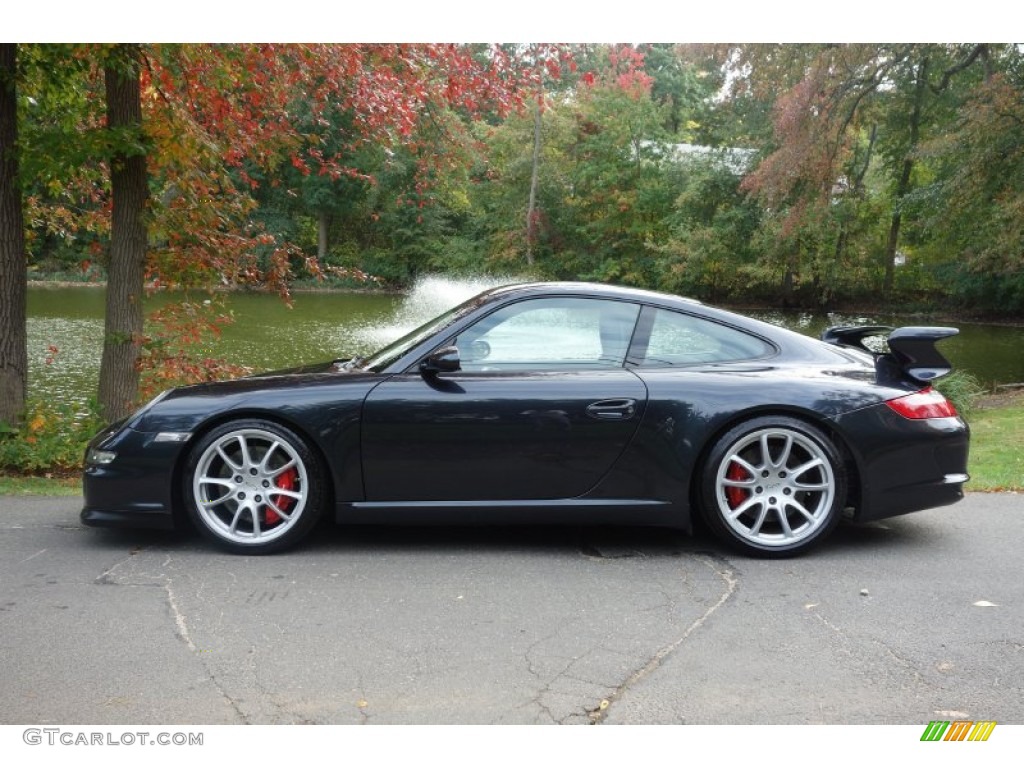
560,403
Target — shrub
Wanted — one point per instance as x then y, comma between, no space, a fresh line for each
52,437
963,389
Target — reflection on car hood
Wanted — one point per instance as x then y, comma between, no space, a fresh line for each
331,366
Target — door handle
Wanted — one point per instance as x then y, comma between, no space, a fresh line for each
618,409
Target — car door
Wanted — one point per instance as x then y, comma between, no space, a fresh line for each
540,409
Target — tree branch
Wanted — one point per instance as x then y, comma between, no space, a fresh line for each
980,50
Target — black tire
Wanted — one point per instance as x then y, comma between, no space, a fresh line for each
253,487
773,486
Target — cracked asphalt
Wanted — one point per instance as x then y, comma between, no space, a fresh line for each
531,625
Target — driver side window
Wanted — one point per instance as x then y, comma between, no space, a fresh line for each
550,334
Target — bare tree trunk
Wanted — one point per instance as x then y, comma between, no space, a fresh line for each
903,183
787,285
892,242
119,375
856,189
323,221
531,210
13,274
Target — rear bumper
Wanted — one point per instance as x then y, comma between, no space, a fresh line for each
914,498
904,465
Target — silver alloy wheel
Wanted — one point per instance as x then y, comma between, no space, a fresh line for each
250,486
775,487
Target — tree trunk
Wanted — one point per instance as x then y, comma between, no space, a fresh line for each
787,288
892,242
857,190
119,375
323,221
13,274
531,210
903,183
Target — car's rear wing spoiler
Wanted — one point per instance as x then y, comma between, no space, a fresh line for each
911,349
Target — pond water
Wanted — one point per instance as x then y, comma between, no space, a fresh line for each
267,334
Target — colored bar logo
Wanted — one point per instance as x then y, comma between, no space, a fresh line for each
958,730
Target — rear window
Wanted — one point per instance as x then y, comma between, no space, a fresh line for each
681,339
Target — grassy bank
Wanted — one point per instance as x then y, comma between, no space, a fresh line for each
997,445
29,485
997,454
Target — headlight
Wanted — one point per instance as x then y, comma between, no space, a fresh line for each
95,456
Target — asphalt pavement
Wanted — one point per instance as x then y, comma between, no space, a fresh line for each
899,622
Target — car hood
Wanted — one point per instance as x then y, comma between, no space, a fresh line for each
330,366
275,391
287,379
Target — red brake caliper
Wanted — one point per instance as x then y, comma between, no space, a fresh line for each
734,495
286,482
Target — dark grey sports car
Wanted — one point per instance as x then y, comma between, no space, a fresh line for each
553,402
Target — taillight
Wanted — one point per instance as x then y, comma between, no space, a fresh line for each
926,404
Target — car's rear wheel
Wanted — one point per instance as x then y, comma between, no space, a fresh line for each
253,486
773,486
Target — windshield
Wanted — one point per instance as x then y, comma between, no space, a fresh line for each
393,351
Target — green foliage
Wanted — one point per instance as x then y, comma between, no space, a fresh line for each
603,196
460,256
977,290
711,228
963,389
826,127
885,150
681,87
53,437
973,206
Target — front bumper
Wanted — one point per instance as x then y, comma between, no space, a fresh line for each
137,488
98,518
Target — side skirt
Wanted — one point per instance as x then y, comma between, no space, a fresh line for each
514,512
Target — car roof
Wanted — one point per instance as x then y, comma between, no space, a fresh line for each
593,289
796,346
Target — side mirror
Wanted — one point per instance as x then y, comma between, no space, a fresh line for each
444,360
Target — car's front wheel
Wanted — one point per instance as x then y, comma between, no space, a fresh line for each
253,486
773,486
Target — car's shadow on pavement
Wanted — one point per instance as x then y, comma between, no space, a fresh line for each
898,534
607,542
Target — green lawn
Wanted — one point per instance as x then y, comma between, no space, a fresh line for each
997,448
16,485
